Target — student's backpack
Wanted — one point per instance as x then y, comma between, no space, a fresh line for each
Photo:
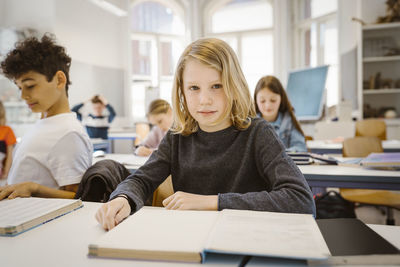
332,205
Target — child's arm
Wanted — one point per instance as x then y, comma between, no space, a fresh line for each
187,201
28,189
297,141
7,163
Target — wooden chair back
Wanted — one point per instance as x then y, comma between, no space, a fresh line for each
371,127
361,146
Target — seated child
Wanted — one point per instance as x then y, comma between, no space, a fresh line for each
273,105
160,116
53,155
7,142
219,155
98,122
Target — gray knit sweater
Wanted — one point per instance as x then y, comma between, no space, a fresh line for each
247,169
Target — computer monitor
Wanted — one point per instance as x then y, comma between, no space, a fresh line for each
306,92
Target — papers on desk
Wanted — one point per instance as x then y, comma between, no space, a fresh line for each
160,234
21,214
382,160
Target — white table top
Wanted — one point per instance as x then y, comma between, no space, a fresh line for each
326,144
64,242
335,170
129,160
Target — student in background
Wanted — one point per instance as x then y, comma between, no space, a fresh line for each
55,152
273,105
7,142
218,154
161,117
98,122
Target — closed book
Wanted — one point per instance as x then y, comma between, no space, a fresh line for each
21,214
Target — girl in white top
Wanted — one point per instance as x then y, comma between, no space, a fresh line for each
56,151
161,117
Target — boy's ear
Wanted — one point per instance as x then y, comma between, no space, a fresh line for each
61,79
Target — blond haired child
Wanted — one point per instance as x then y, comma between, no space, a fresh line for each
161,117
219,155
7,142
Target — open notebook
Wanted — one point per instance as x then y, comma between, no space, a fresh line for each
21,214
173,235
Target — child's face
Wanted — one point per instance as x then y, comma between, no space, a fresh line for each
205,96
39,94
268,103
98,109
162,120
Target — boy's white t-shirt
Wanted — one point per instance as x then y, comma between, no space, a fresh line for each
55,152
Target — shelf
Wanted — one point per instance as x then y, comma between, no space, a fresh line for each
381,59
381,26
381,91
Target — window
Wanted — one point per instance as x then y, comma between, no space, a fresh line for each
252,38
157,41
316,40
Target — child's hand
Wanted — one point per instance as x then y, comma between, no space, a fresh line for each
112,213
25,189
187,201
143,151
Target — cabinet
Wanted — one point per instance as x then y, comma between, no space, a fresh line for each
379,74
379,70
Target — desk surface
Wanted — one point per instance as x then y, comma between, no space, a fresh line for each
350,177
326,147
64,242
316,175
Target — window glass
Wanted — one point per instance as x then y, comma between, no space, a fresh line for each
253,14
154,17
257,58
141,55
316,8
170,53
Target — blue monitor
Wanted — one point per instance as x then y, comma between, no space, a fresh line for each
306,92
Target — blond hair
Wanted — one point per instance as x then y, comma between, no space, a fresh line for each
2,114
216,54
158,106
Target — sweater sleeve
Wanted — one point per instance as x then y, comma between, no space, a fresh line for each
112,113
76,109
288,192
139,186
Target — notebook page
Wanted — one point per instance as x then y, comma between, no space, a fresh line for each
268,234
17,211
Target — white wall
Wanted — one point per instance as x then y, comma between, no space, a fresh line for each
96,40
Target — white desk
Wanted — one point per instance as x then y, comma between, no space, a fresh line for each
130,161
115,136
316,175
64,242
326,147
350,177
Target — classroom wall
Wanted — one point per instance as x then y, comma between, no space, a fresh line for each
96,40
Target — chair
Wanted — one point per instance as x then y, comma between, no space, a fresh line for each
371,127
361,147
163,191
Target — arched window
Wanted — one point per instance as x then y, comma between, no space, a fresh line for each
157,39
316,40
252,38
